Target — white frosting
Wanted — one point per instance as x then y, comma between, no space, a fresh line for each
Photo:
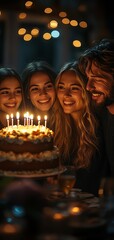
35,173
20,134
28,157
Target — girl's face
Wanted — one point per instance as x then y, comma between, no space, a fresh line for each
69,92
41,91
10,95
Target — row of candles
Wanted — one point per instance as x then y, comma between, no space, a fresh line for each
28,119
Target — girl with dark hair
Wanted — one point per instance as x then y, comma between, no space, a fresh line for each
38,83
11,94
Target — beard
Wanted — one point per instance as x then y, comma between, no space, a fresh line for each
107,101
98,108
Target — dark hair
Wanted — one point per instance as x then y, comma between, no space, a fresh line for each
102,53
9,72
105,44
33,68
6,72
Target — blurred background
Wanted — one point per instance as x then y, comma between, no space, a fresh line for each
53,30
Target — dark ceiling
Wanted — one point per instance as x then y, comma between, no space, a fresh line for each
99,10
72,7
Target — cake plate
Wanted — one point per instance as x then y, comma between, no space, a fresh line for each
35,174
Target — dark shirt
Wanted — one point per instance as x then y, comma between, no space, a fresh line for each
88,179
107,122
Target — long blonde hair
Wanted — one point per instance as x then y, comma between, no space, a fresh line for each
77,142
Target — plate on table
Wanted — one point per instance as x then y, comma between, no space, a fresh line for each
89,223
36,174
84,195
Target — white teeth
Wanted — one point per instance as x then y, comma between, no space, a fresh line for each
95,94
10,105
43,101
68,103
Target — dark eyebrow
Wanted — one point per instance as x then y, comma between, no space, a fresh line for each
4,89
36,85
74,84
9,88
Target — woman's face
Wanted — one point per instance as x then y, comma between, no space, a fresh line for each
10,95
69,93
41,91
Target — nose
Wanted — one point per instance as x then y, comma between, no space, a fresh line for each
67,92
42,91
89,85
12,95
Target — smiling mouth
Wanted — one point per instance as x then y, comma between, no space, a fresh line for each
44,101
67,103
10,105
96,94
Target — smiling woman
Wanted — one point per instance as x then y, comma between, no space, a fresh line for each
11,98
38,81
77,129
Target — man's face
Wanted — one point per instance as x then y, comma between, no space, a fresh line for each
99,84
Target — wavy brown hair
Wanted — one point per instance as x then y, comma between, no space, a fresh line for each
77,141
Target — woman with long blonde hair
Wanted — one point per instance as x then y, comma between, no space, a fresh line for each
76,126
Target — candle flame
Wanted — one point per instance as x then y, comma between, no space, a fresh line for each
17,115
45,117
31,116
39,118
7,116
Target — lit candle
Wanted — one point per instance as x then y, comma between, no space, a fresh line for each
7,119
39,118
12,119
31,118
17,117
27,118
24,119
45,118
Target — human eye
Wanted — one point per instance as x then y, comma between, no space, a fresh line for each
49,86
4,92
75,88
34,89
61,87
18,91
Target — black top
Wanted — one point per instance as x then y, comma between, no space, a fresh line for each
89,179
107,122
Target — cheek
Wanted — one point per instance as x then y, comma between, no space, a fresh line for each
53,96
20,98
3,99
32,96
80,101
59,95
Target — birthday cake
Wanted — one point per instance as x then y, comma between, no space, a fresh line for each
27,149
